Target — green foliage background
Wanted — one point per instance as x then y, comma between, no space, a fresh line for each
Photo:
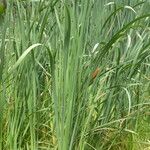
48,52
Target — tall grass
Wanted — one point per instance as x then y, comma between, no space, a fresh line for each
75,75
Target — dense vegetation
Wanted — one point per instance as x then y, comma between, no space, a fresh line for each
75,75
